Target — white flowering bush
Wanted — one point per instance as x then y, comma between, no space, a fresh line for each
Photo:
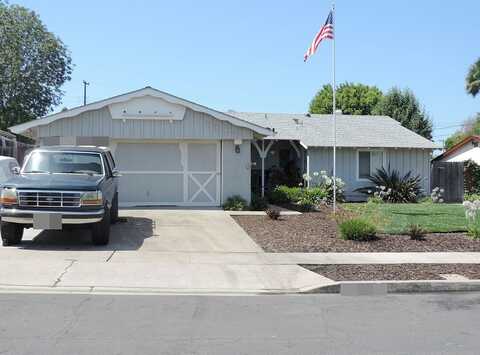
437,195
321,180
472,213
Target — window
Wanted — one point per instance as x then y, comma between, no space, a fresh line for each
110,160
369,162
63,163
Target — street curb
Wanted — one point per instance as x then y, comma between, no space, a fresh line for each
356,288
96,290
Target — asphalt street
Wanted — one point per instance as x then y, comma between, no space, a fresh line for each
281,324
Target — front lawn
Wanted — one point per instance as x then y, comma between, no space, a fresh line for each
396,218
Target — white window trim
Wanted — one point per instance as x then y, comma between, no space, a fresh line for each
370,151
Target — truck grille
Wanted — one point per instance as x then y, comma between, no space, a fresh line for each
48,198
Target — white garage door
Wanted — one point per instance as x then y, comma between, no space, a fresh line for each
174,173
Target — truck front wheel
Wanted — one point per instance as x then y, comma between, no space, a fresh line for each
101,230
12,233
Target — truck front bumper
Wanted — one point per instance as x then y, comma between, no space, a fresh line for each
22,216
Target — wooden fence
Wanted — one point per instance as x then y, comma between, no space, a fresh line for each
449,177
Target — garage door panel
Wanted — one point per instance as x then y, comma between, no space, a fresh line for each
149,157
202,188
202,156
152,188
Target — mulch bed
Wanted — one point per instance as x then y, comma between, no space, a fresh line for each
372,272
317,232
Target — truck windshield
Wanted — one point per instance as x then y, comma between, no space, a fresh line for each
63,163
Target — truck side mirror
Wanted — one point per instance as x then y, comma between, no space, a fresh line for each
116,173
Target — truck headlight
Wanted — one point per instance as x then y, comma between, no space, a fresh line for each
8,196
91,198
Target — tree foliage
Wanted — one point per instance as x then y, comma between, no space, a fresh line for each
403,106
352,99
470,127
359,99
34,64
473,79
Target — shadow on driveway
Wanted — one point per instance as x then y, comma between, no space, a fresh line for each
128,235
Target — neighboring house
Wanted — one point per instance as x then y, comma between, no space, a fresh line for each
466,149
172,151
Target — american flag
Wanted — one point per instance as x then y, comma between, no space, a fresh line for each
325,32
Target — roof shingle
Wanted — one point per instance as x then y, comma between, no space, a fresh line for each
352,130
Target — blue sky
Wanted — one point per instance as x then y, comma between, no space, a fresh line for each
247,55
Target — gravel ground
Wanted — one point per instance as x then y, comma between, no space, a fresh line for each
394,272
317,232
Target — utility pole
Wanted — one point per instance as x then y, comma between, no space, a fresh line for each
85,84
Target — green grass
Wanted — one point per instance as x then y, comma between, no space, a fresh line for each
396,218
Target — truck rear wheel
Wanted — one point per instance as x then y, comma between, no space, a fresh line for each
101,230
12,233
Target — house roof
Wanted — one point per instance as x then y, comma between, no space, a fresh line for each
147,91
457,146
352,130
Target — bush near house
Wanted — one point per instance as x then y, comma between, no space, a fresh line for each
320,190
391,187
235,203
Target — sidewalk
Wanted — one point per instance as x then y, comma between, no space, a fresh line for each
186,272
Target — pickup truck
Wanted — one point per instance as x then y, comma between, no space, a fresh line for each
59,187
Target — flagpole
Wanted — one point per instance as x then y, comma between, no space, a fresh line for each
334,114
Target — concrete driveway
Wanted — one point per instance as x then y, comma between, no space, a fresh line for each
165,250
159,230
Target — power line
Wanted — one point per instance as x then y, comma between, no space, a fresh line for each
452,126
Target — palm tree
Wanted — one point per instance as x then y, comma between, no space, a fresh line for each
473,79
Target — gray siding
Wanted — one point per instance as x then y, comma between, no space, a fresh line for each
236,170
195,125
404,160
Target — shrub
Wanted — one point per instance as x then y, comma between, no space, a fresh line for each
390,186
357,229
273,213
306,203
324,182
235,203
472,213
471,197
437,195
259,203
285,194
416,232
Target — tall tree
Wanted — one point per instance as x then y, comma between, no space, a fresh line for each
34,64
403,106
352,99
470,127
473,79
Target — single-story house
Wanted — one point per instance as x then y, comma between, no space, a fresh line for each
467,149
172,151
